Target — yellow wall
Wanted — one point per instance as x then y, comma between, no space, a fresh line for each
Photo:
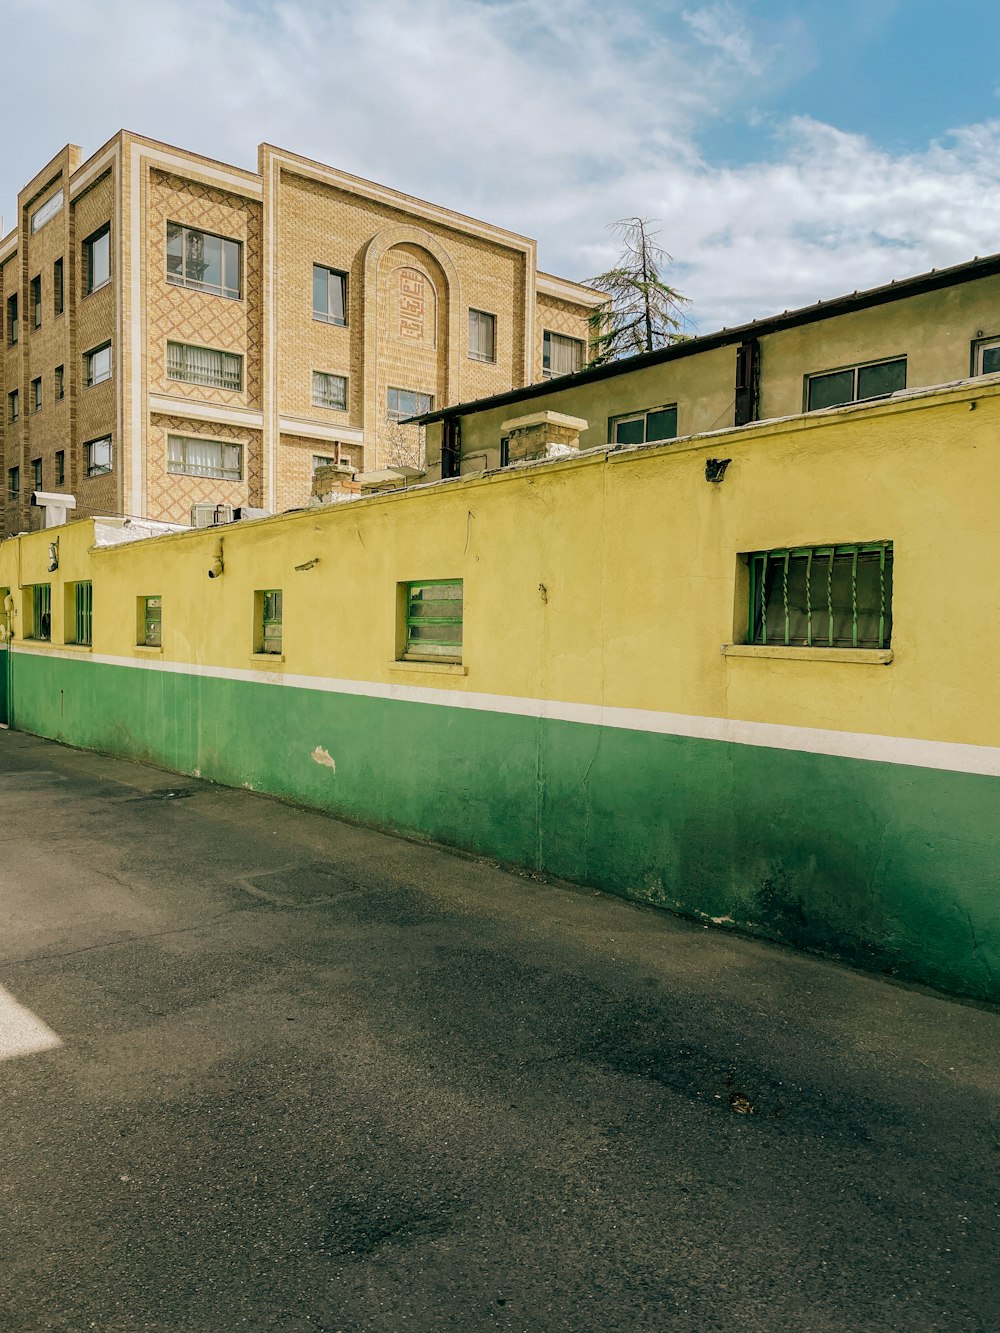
614,579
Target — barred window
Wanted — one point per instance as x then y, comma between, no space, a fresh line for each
41,611
329,390
83,612
268,630
150,618
203,261
434,619
822,596
208,366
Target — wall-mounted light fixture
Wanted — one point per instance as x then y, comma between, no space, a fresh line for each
715,469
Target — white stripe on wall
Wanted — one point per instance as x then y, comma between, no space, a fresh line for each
947,755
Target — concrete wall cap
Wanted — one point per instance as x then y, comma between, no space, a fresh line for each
545,419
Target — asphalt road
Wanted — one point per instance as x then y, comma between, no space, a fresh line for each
265,1070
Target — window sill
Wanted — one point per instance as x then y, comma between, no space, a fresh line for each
858,656
267,659
76,647
437,667
32,643
150,648
92,291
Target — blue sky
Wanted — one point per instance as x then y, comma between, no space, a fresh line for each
791,151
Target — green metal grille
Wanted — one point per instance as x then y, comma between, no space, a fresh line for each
822,596
152,613
270,632
83,607
41,611
434,619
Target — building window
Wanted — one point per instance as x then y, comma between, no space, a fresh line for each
41,611
14,483
36,473
822,596
97,365
329,390
97,456
855,384
193,457
561,355
47,211
13,323
83,612
658,423
35,292
203,261
329,295
434,619
14,405
36,394
149,619
267,610
204,365
97,260
60,383
321,460
60,467
58,296
482,336
403,403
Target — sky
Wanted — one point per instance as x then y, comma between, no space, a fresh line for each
789,150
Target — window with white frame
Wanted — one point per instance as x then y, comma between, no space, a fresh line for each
986,356
201,260
97,365
97,259
561,355
329,390
855,384
193,457
207,366
97,456
322,460
482,336
403,403
329,295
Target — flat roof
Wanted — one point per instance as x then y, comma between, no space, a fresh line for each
933,280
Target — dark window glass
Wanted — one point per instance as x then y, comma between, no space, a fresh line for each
36,473
36,302
661,424
12,320
874,381
97,259
831,390
632,431
201,260
60,467
839,597
58,300
329,295
991,361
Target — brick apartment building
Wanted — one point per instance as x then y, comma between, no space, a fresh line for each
177,331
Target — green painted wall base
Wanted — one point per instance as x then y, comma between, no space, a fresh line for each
890,867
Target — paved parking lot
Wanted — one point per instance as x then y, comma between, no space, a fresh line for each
265,1070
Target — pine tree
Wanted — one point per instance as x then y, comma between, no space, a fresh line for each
642,312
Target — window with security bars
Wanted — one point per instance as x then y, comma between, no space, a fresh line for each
434,620
482,335
150,622
41,611
561,355
855,384
193,457
207,366
203,261
329,390
269,611
83,612
822,596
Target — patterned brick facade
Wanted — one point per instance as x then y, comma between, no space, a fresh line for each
413,273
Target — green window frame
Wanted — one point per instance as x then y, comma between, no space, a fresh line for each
836,596
83,612
647,427
434,618
41,611
151,624
269,617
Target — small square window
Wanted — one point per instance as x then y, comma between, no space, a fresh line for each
329,295
97,365
97,456
482,336
203,261
434,615
329,390
97,259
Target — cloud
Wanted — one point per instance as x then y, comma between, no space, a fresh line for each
550,120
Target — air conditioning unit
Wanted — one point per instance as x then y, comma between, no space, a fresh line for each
210,515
